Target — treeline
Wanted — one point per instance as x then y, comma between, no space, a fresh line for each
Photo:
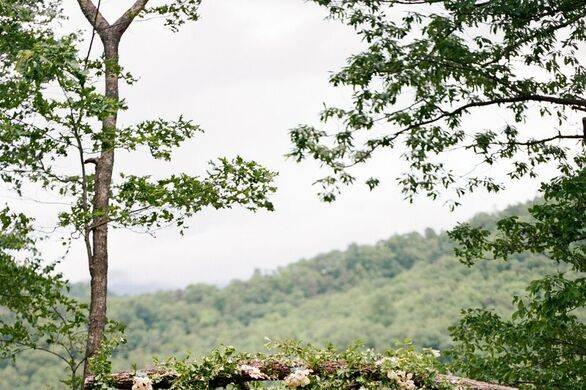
408,286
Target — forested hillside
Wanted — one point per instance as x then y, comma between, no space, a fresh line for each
408,286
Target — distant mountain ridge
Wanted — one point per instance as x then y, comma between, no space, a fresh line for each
408,286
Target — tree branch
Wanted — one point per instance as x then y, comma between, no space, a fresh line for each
483,103
124,21
538,141
515,99
89,50
459,110
94,16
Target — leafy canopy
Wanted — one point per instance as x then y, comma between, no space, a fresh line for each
433,71
434,76
51,106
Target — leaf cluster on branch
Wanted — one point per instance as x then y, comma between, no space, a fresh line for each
430,76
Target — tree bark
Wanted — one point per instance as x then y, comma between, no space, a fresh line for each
98,263
110,35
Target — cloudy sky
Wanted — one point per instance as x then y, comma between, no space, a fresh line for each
247,72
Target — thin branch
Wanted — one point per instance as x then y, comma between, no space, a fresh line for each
37,348
108,220
89,50
536,141
84,184
515,99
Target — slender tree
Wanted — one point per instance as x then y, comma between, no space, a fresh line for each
52,114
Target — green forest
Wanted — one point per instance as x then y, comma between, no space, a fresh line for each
449,102
408,286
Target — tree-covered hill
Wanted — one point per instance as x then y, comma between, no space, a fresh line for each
408,286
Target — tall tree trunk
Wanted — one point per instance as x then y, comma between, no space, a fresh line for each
98,263
110,35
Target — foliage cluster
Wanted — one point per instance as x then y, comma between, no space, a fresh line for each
544,341
41,128
433,71
36,311
296,365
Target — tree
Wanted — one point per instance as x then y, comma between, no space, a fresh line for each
544,342
41,130
430,74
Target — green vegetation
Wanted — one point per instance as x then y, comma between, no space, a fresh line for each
409,286
428,83
543,343
36,313
292,364
59,133
428,67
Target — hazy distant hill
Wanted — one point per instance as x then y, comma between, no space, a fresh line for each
409,286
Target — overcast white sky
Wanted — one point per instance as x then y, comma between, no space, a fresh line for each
247,72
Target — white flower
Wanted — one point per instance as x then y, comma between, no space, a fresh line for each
393,360
298,378
252,371
392,375
403,379
142,383
435,353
